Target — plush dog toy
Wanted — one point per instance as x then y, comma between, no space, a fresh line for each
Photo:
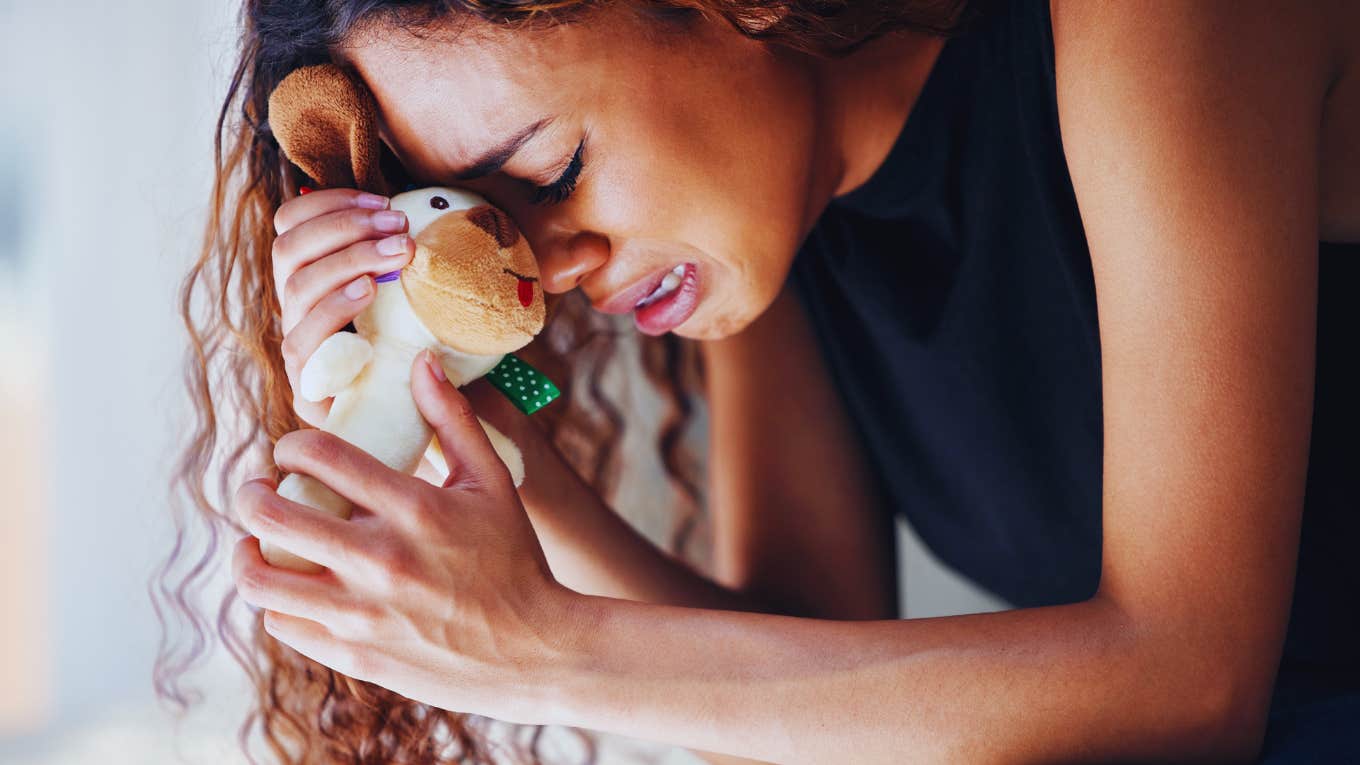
471,294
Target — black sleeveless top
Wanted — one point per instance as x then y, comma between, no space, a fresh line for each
953,300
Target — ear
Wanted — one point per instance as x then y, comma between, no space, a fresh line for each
326,122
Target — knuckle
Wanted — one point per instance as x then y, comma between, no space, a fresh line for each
425,503
246,502
289,349
293,287
282,249
309,446
266,517
458,413
345,224
336,306
355,258
354,660
359,623
252,582
239,557
376,551
280,219
357,221
389,572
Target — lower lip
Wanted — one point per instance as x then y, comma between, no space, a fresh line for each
671,311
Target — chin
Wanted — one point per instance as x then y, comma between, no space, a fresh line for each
699,327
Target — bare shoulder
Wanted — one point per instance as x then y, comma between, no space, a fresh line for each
1240,69
1340,150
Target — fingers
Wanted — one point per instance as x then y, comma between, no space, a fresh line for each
306,207
346,469
279,589
461,438
316,642
494,407
327,317
301,530
310,284
324,235
341,222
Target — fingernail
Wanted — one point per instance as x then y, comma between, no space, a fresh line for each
392,245
436,368
304,190
371,201
391,221
357,289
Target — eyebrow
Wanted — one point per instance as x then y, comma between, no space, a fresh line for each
496,158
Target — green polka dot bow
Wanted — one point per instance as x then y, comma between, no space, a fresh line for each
527,388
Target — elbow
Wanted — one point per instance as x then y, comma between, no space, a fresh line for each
1205,696
1222,705
1229,716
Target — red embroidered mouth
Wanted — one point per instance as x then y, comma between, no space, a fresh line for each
526,288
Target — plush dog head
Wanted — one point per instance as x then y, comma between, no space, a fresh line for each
473,281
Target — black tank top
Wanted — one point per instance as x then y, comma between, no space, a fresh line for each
953,300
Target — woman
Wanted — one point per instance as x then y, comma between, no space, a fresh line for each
893,245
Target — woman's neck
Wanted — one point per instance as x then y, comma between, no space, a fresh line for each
864,101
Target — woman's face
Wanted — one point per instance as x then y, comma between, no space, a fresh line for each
624,151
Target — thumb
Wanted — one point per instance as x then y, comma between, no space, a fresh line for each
461,438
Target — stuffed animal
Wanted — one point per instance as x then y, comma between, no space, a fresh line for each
470,294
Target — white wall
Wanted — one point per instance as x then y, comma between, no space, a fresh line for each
106,133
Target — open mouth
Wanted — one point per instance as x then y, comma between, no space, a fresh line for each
526,287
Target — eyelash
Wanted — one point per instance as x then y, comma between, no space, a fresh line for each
560,189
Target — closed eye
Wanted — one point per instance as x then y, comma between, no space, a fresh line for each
560,189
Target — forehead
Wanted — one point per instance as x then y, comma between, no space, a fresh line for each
449,95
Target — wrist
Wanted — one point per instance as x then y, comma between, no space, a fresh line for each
570,619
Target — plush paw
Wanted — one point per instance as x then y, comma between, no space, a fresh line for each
337,361
505,449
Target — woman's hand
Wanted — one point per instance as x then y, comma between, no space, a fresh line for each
440,593
330,244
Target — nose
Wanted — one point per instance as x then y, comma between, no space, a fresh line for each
564,263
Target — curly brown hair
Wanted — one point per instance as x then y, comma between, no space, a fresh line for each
305,712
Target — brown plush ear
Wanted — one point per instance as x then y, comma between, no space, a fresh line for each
326,121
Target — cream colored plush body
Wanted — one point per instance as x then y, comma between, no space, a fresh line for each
369,374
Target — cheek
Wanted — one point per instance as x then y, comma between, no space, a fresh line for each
743,213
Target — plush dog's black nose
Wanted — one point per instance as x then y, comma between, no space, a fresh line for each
496,223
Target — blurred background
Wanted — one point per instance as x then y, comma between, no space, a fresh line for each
105,149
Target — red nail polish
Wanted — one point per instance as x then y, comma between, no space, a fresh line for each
304,190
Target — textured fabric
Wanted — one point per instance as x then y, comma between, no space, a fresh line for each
953,299
327,123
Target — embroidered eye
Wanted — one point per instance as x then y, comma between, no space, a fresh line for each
439,203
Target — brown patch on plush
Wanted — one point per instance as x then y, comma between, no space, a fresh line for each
495,223
459,289
326,122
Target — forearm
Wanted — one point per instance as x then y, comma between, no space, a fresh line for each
592,550
1069,682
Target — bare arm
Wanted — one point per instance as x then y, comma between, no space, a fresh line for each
796,519
796,528
1191,132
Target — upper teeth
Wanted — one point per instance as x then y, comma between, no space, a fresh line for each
667,286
